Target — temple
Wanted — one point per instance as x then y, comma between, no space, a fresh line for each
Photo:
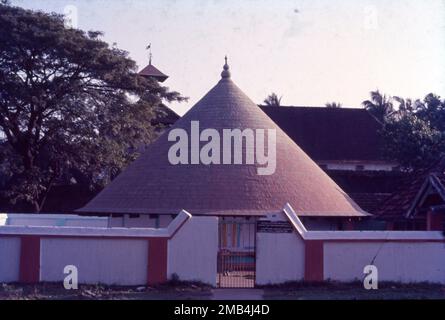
151,190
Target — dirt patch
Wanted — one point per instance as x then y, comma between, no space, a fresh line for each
353,291
197,291
56,291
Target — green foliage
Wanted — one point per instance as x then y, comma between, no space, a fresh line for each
272,100
414,133
72,108
412,141
380,106
333,105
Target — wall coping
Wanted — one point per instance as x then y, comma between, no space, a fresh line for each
357,235
62,231
38,216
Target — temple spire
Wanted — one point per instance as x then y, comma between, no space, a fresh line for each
225,73
149,53
151,71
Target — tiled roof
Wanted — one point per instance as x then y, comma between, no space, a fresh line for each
152,185
341,134
369,189
152,71
398,205
336,134
371,202
368,181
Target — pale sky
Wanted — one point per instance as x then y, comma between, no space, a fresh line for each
310,52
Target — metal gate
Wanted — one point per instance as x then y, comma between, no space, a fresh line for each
236,253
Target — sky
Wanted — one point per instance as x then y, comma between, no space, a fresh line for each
308,52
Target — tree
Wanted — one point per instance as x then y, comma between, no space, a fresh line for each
333,105
71,107
414,134
380,106
272,100
432,109
413,142
406,106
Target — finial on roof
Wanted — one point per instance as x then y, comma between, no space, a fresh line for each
149,53
226,72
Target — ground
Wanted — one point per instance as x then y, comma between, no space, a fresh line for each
195,291
354,291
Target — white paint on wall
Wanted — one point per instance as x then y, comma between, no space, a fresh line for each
84,231
58,220
102,259
107,261
3,219
373,235
379,167
396,261
279,258
87,230
141,221
299,227
357,166
116,222
192,252
9,259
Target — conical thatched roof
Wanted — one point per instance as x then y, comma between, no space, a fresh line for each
152,185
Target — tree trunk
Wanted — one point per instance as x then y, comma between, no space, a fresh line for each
36,206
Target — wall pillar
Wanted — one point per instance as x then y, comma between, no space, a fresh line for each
434,221
313,262
29,259
157,261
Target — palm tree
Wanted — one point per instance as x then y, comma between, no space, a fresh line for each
272,100
333,105
406,106
380,106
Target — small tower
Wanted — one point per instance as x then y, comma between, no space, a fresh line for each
151,71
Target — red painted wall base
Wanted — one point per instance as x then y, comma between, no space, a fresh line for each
313,262
157,261
29,259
